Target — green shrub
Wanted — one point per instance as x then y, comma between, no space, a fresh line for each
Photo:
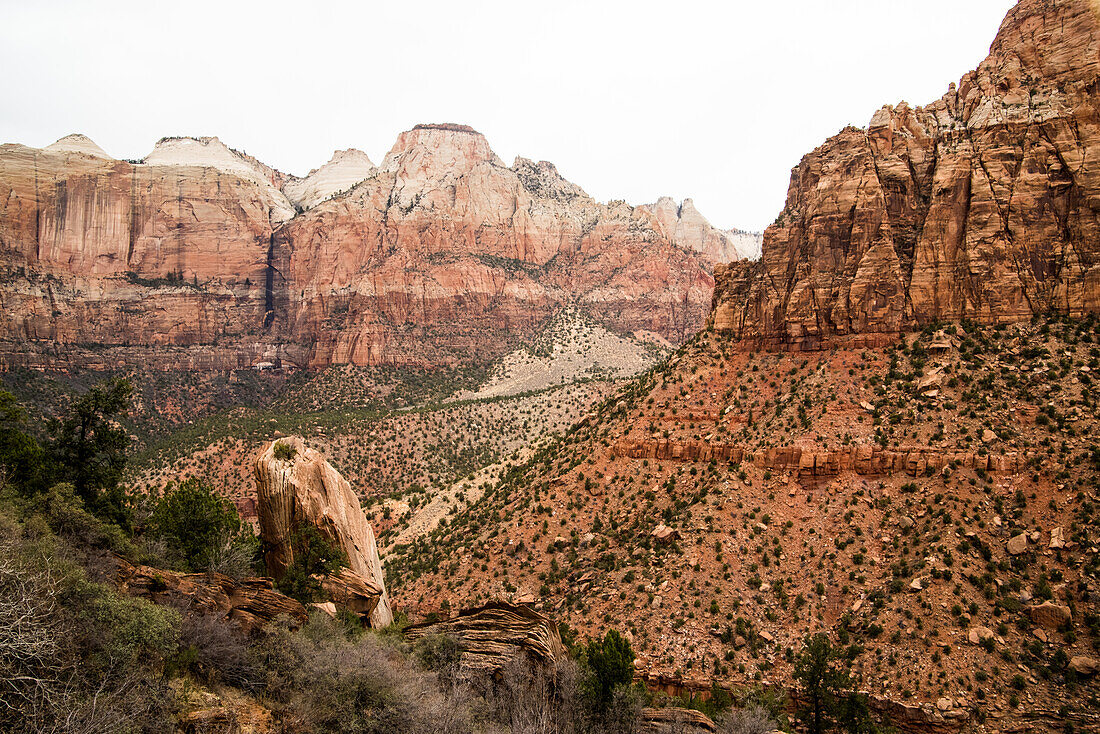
195,522
611,664
313,555
284,451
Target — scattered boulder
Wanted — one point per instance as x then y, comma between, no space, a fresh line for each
1057,539
1050,615
1017,545
930,381
493,635
351,591
977,634
664,534
250,604
941,342
295,486
1084,665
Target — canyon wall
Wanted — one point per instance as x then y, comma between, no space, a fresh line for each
200,256
983,205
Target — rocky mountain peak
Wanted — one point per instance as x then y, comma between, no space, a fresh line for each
438,149
345,169
981,205
210,152
543,180
77,143
1048,40
433,156
687,227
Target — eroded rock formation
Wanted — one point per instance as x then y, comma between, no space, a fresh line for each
683,224
984,204
296,487
250,604
866,460
673,720
493,635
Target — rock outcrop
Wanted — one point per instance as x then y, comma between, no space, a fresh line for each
684,225
250,604
493,635
197,256
673,720
864,459
984,204
296,487
344,170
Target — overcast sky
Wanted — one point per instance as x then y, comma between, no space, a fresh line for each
714,101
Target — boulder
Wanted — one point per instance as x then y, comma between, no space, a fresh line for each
493,635
664,534
300,489
1084,665
353,592
1050,615
977,634
673,720
1017,545
1057,539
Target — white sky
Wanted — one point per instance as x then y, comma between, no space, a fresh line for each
714,101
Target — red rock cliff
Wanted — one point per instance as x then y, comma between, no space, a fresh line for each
984,204
196,256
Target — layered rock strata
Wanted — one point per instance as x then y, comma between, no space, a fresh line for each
493,635
249,604
865,460
440,255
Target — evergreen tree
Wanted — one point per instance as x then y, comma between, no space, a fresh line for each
195,521
88,448
21,456
611,662
829,694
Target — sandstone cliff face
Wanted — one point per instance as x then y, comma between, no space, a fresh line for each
95,250
440,255
306,490
447,251
684,225
344,170
213,153
983,205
